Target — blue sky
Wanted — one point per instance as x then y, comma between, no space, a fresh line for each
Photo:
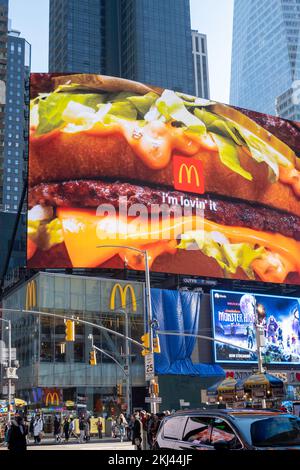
212,17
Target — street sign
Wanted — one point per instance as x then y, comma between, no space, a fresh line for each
11,373
4,354
149,366
153,399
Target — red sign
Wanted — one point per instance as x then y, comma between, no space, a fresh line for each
188,174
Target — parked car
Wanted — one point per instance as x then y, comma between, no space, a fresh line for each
225,429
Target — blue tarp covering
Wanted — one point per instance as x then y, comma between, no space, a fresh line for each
179,312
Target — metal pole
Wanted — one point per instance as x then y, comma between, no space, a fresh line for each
259,335
127,365
9,365
153,406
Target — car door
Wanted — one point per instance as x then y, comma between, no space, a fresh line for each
223,432
197,434
171,432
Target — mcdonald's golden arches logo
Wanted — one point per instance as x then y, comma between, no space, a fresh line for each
188,174
30,300
123,297
52,398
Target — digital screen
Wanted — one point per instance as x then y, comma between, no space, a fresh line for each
234,315
205,188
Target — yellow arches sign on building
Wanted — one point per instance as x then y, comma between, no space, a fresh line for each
52,398
30,299
123,297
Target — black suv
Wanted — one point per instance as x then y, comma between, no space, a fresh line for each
239,429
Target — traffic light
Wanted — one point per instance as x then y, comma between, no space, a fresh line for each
146,343
119,390
154,388
70,330
156,345
93,358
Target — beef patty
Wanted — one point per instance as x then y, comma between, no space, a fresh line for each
92,193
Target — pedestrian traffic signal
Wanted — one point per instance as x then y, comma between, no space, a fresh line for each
119,390
93,358
146,344
156,345
70,330
154,388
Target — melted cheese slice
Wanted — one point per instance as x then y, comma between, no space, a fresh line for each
84,231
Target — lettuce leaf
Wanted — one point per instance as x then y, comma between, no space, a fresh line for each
228,152
51,108
143,103
229,256
171,106
219,125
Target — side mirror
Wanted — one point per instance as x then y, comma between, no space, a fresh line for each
221,445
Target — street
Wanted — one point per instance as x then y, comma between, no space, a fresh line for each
97,444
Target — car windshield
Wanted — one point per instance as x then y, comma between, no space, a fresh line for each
276,431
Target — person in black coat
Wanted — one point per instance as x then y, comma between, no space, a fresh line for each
137,432
66,428
17,435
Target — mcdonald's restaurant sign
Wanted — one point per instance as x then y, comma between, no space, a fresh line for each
188,174
52,397
120,299
30,299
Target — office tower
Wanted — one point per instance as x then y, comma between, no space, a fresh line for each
144,40
3,65
288,103
200,61
16,119
264,52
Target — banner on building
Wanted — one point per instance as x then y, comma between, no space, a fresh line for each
234,316
118,167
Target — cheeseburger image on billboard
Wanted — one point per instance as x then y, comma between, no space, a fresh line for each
113,162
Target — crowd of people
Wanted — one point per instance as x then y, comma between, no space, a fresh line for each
140,428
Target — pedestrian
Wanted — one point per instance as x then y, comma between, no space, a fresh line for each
137,432
31,426
81,429
57,429
17,434
38,427
154,428
72,428
99,428
66,427
88,429
130,428
122,426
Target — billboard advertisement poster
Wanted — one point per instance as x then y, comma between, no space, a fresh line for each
234,316
207,189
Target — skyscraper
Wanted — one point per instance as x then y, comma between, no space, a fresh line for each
200,64
18,69
144,40
3,65
265,47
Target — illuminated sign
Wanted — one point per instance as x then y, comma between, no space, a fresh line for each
188,175
234,323
52,398
123,297
30,300
207,189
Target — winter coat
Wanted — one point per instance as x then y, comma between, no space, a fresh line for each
17,437
38,426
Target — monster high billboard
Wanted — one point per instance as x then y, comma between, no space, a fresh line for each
234,316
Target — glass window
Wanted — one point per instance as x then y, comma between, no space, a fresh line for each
276,431
222,431
173,428
198,430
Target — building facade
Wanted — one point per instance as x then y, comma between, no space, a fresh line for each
288,103
265,52
16,119
3,69
200,62
143,40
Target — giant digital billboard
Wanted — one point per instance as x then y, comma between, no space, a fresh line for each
234,316
205,188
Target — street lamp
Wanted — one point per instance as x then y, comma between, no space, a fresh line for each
148,296
9,365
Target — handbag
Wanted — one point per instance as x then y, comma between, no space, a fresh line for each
137,441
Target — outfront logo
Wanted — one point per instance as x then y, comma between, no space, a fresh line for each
123,297
30,299
188,174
